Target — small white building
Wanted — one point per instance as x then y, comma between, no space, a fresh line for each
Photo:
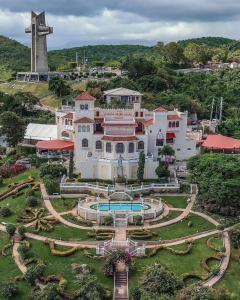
107,142
123,95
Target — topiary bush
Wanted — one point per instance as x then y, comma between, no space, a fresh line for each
33,272
5,212
10,228
8,290
22,230
32,201
108,220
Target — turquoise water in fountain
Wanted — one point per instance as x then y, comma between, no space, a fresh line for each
119,206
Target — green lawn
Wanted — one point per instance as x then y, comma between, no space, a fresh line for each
66,233
189,263
19,178
64,204
230,279
8,271
181,229
175,201
172,215
17,206
62,265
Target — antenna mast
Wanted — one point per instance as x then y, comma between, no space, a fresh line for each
221,109
213,102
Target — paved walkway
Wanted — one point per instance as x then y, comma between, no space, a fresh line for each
120,234
224,263
17,258
204,216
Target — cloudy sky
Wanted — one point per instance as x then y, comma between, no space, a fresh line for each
85,22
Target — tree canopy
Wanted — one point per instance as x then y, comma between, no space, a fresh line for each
218,179
12,127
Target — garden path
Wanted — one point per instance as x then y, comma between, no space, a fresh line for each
224,263
16,256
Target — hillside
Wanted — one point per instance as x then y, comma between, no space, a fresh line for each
209,41
14,55
95,53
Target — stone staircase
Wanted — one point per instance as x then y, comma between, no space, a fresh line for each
121,285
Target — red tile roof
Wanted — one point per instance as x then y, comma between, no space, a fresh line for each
68,116
160,109
221,142
84,120
173,117
85,96
55,145
119,138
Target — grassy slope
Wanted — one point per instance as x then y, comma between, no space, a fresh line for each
182,229
64,204
62,265
9,270
39,90
176,201
189,263
19,179
230,279
63,232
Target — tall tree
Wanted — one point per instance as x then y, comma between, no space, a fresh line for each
12,127
59,87
71,165
197,54
141,166
173,54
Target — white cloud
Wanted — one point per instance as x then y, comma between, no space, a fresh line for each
113,26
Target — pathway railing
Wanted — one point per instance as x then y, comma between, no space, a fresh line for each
79,187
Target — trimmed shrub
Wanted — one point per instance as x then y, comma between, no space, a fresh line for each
10,228
5,212
33,272
108,220
32,201
8,290
22,230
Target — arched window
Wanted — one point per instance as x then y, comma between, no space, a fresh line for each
169,124
84,143
79,128
65,134
120,148
130,147
177,124
140,145
173,124
83,128
98,145
108,147
88,128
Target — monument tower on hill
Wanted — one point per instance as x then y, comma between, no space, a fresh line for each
39,32
39,56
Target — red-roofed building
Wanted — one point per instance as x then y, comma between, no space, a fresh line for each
85,96
160,109
221,143
102,136
84,120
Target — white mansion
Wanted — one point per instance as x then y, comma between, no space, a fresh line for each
105,140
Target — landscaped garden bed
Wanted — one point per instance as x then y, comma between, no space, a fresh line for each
188,263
